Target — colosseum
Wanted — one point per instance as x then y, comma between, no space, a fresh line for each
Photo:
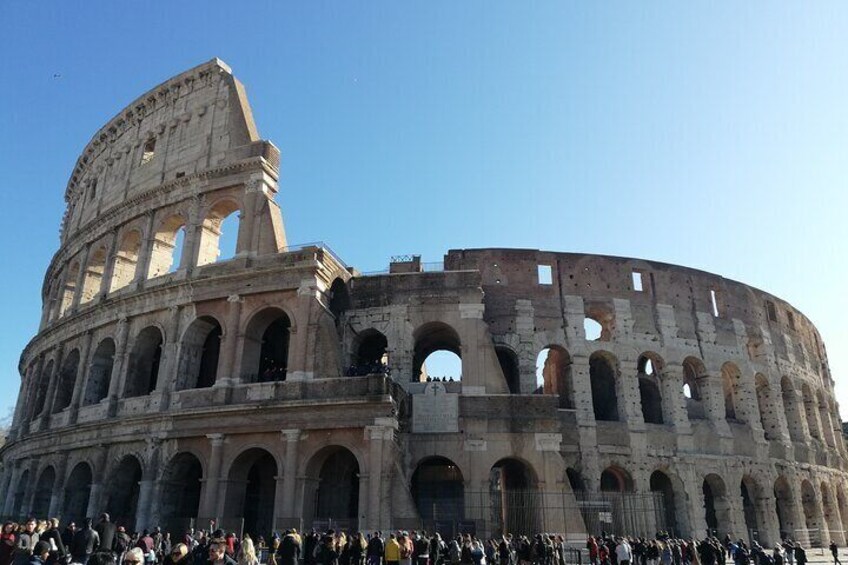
278,387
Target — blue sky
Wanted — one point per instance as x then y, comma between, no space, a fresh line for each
712,135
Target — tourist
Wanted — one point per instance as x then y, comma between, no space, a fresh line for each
392,551
623,552
133,556
177,556
26,542
375,550
86,541
7,543
247,552
68,535
218,553
289,551
102,558
834,551
406,548
106,530
53,536
421,548
40,553
789,551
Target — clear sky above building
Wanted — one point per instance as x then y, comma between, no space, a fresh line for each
711,135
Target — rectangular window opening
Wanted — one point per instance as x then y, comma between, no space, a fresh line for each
714,302
545,274
790,317
148,151
637,281
772,312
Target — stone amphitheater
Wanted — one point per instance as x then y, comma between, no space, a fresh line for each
279,387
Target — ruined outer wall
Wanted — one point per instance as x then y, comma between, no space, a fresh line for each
185,155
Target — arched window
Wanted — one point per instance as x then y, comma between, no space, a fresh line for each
126,260
717,507
603,376
333,473
199,353
219,233
42,385
553,374
513,490
100,373
180,492
146,355
339,299
824,418
509,367
661,483
371,356
67,380
92,281
750,492
615,479
650,396
166,253
693,370
266,347
77,493
730,376
122,491
43,492
785,509
437,353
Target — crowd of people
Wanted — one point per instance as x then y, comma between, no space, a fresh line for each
364,369
105,543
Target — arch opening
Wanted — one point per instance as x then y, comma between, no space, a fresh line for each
514,498
146,356
438,491
266,347
508,362
20,494
100,373
180,492
371,356
334,475
77,493
553,375
661,483
70,288
749,492
43,491
41,392
784,506
810,412
122,492
199,353
437,353
717,510
650,396
616,479
602,375
790,406
219,233
251,491
66,381
768,418
167,248
693,369
92,280
730,376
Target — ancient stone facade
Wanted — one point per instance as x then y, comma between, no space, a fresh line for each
165,391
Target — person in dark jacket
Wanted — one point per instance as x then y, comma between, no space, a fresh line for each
218,553
289,551
86,541
68,535
27,540
40,553
54,537
106,530
375,550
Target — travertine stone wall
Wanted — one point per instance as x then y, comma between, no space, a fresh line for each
161,379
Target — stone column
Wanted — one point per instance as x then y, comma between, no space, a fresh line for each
109,267
674,405
120,366
713,398
6,486
209,497
148,240
147,508
14,479
169,365
60,293
58,486
52,386
552,484
376,437
83,269
82,377
286,498
586,425
226,364
302,335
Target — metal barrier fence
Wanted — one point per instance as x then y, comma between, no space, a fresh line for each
527,512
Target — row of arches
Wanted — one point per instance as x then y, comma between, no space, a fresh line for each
265,358
331,491
89,274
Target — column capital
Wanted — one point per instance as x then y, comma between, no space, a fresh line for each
216,440
378,432
292,434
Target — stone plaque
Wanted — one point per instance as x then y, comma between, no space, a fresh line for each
435,411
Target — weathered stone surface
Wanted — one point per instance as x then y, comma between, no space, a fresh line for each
695,379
